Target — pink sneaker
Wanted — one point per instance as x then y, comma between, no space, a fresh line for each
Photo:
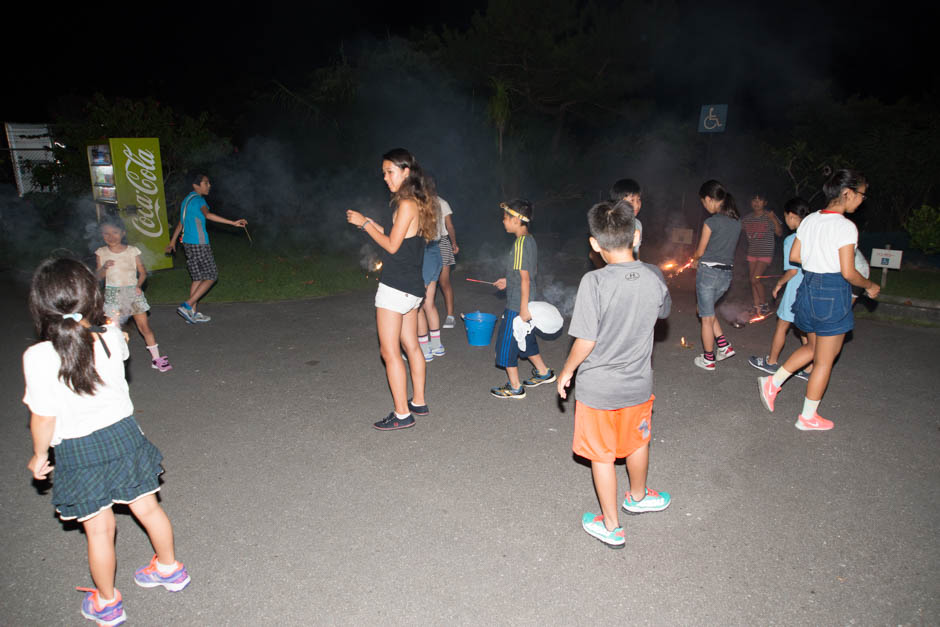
162,364
816,423
768,391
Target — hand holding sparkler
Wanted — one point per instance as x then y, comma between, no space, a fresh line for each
500,284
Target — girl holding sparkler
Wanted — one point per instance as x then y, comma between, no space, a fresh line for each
760,226
825,247
793,213
124,274
714,260
78,397
414,224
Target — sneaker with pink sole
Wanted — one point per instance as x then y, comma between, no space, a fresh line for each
768,391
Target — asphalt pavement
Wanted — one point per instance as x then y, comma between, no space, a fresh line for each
290,508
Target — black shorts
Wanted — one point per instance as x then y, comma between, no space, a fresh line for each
200,262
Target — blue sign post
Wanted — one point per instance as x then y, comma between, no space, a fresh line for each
713,118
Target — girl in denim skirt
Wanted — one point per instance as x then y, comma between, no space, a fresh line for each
825,247
78,397
714,261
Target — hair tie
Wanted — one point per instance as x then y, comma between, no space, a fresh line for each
77,317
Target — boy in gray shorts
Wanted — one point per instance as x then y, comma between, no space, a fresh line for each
616,309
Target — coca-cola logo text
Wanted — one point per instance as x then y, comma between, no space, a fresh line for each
141,171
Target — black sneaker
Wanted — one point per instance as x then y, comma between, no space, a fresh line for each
418,410
393,422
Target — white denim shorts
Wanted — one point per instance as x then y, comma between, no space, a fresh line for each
396,300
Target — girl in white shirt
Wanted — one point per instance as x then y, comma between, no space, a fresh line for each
78,397
825,248
124,273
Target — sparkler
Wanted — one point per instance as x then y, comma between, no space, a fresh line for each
479,281
251,243
768,276
684,344
759,317
672,264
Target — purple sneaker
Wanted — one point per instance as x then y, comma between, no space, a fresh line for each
111,614
150,577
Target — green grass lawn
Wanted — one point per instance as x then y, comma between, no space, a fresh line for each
252,273
913,283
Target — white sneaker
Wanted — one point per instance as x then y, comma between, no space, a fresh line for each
449,323
704,364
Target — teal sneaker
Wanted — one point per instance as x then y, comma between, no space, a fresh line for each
653,502
594,525
506,391
538,379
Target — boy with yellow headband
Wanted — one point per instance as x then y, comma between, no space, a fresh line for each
519,283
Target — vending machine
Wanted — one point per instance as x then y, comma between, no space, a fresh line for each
127,179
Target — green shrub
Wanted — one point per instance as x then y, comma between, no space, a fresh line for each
923,225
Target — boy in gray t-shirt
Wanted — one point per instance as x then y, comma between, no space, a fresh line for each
614,315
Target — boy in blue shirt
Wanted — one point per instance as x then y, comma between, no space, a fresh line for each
519,283
616,309
194,211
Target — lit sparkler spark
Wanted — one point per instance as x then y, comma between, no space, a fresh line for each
669,266
376,266
683,343
758,318
768,276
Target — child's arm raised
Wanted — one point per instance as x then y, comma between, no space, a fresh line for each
41,428
405,215
217,218
580,350
102,268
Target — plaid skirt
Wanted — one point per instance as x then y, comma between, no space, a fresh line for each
116,464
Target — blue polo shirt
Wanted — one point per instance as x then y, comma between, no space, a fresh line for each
194,221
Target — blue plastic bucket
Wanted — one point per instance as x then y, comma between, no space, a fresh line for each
479,328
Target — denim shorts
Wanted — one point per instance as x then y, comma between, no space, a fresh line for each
431,268
824,304
710,285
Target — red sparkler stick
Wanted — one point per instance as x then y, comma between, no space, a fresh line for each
479,281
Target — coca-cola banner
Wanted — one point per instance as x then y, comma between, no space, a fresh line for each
138,177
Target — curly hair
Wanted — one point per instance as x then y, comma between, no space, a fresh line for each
418,187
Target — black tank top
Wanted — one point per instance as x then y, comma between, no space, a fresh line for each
403,269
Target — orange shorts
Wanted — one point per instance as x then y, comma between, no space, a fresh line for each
603,435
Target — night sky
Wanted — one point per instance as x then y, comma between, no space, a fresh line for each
202,58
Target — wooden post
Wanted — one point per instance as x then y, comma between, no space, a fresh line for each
884,271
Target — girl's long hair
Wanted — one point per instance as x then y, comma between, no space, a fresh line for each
715,190
60,287
418,187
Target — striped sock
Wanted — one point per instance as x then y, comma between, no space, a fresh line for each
722,341
709,355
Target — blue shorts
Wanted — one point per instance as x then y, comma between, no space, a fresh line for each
824,304
507,349
431,268
710,285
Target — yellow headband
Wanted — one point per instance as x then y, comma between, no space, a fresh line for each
512,212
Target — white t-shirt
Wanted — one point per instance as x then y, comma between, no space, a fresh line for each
124,271
441,223
78,415
821,236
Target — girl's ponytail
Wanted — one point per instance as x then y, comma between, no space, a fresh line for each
715,190
63,293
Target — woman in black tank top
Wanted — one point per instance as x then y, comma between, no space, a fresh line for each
401,286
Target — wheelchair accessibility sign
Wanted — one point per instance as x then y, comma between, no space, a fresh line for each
713,118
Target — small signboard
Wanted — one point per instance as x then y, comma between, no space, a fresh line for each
681,236
713,118
886,258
